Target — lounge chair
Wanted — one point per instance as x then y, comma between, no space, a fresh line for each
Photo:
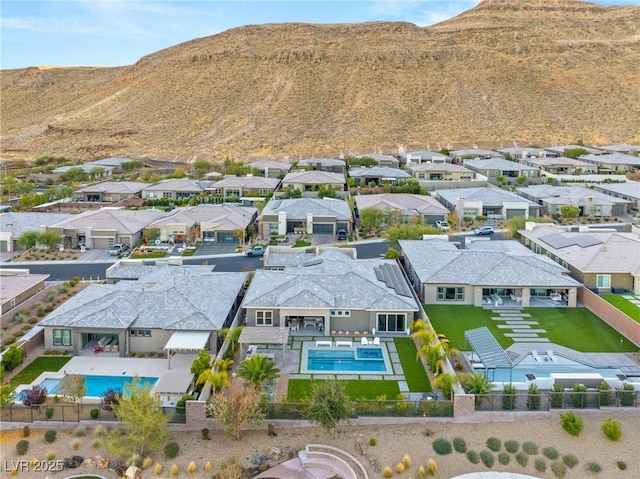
376,341
551,355
363,341
536,356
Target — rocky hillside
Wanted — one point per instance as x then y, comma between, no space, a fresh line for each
543,71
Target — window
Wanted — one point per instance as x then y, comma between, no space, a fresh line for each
264,318
392,322
603,281
167,194
340,312
140,332
62,337
450,294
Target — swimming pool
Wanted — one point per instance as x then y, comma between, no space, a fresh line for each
349,360
96,385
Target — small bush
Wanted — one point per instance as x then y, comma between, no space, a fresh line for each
100,431
612,428
372,441
494,444
50,412
192,468
550,453
459,445
422,473
400,468
50,435
621,465
504,458
79,431
570,460
605,394
487,459
75,444
571,423
559,470
627,394
556,396
509,396
579,396
51,455
157,470
473,457
35,396
174,471
406,460
171,450
594,467
94,413
442,446
432,467
428,432
22,447
387,473
205,433
540,465
96,443
208,467
511,446
522,459
26,431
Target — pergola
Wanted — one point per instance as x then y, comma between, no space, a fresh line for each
264,335
487,347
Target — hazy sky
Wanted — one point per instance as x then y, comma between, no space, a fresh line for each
119,32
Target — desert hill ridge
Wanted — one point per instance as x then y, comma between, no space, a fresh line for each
504,72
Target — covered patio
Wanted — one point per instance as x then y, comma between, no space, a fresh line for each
186,342
252,335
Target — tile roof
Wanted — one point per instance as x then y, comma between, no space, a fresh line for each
409,204
21,222
297,208
497,164
124,221
314,177
612,159
116,187
174,184
321,162
563,194
246,182
439,167
227,217
488,196
378,171
263,165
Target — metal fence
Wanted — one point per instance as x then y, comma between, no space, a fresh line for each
71,413
547,400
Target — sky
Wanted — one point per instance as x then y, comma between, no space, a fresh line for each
120,32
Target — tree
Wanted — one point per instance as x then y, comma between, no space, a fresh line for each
477,384
237,407
201,363
72,386
35,396
410,232
445,383
75,173
574,153
49,239
329,404
202,166
258,370
6,390
28,239
569,211
218,377
12,358
144,424
371,218
514,225
96,172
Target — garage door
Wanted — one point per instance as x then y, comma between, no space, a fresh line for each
208,236
514,213
227,237
102,243
323,228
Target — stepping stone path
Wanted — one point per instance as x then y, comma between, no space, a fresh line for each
517,328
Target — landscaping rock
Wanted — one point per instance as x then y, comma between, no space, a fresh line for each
133,472
72,462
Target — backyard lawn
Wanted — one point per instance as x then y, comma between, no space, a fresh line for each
575,328
623,304
299,389
414,372
37,367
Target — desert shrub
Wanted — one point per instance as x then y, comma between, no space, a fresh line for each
570,460
459,445
171,450
96,443
534,397
522,459
621,465
442,446
22,447
428,432
530,448
157,470
147,462
571,423
559,470
174,471
432,467
550,453
50,412
473,457
487,458
556,396
504,458
75,444
12,358
511,446
387,472
612,428
594,467
540,465
26,431
579,396
51,455
509,397
605,394
372,441
191,468
182,402
50,435
422,473
494,444
400,468
79,431
626,394
208,467
34,396
205,433
100,431
406,460
94,413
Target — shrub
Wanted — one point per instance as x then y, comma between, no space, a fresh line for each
494,444
473,456
559,469
51,455
428,432
12,358
594,467
556,396
146,462
509,397
111,397
442,446
579,396
94,413
96,443
550,453
570,460
400,468
571,423
75,444
533,397
626,394
173,471
387,472
504,458
612,428
432,467
522,459
181,403
406,460
50,412
530,448
621,465
605,394
487,459
208,467
459,445
540,465
50,435
22,447
26,431
372,441
422,473
205,433
100,431
171,450
191,468
79,431
34,396
511,446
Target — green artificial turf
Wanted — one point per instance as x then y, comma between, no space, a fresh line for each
299,389
624,305
37,367
575,328
414,373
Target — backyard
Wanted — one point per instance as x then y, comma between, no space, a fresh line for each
623,303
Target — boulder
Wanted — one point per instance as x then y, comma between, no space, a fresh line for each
133,472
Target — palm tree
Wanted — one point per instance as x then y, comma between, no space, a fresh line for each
258,370
218,376
477,384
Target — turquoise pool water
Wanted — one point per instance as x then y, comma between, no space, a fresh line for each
96,385
347,360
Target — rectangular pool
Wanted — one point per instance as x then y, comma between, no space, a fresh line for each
351,360
96,385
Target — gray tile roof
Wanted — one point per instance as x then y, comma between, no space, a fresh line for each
612,159
227,218
424,155
21,222
325,162
560,150
567,194
497,164
297,208
557,161
116,187
630,189
439,167
246,182
488,196
263,165
121,220
378,172
381,158
407,204
174,184
313,177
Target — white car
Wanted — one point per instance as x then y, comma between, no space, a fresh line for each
443,225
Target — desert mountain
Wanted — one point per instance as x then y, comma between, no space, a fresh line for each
534,71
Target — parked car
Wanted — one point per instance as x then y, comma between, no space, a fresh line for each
443,225
484,230
255,251
118,249
342,235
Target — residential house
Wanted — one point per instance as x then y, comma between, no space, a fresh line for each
147,314
629,191
489,273
241,186
613,162
172,189
562,150
490,202
18,286
311,181
522,153
590,202
110,191
623,149
332,165
441,172
495,167
333,294
13,224
101,229
606,261
108,166
459,156
561,165
305,215
378,175
206,223
423,156
271,169
406,206
382,160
